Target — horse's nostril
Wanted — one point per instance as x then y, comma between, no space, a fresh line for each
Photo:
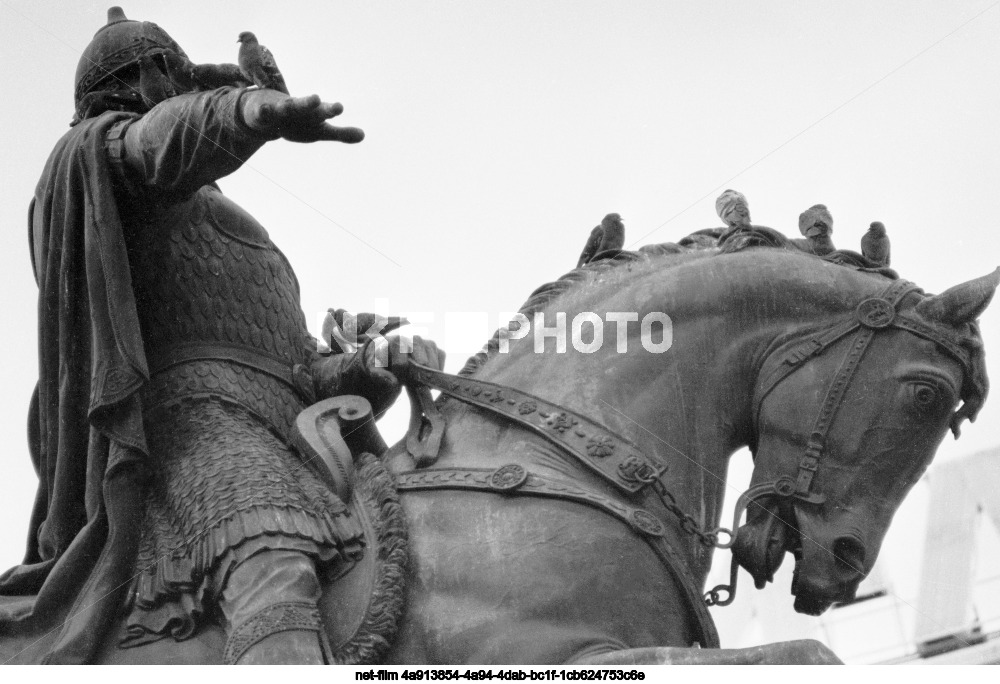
850,554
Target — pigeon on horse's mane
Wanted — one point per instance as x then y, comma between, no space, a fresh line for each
606,237
875,244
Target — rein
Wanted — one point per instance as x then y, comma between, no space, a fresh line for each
613,457
617,459
869,317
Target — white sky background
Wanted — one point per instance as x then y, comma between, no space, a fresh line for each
499,134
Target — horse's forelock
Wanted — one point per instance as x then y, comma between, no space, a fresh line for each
975,381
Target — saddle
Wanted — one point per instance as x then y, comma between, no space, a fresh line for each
337,438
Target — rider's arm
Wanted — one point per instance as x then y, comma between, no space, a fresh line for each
191,140
188,141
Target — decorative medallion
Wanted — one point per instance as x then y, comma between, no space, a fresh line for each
560,422
646,522
508,477
527,407
875,313
600,447
497,397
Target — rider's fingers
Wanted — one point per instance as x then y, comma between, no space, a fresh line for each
345,134
417,349
379,352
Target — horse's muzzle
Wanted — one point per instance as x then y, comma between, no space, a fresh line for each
827,573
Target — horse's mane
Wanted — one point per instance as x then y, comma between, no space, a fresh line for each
699,245
711,242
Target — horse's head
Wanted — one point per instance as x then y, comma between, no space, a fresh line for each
848,416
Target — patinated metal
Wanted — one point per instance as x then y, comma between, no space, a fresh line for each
211,494
613,457
513,479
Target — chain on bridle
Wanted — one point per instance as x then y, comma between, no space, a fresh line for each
869,317
618,459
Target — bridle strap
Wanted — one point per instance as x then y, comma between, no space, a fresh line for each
870,316
802,351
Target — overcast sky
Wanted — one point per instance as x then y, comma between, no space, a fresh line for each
499,134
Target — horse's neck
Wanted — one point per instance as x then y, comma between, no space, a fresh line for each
689,406
695,397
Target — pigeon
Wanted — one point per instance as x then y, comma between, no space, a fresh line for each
613,237
180,71
590,249
344,332
816,224
610,235
258,65
154,87
732,208
212,76
875,244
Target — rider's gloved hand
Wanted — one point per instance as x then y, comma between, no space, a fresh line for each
384,356
298,119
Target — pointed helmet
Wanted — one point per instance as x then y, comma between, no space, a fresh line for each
115,47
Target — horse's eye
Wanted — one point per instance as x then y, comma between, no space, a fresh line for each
924,395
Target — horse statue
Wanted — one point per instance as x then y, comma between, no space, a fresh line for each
582,530
561,503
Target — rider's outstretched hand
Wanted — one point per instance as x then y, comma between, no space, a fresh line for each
298,119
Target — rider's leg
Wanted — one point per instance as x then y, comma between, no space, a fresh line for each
269,602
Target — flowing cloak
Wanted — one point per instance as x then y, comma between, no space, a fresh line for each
85,425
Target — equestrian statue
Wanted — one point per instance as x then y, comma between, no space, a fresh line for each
212,488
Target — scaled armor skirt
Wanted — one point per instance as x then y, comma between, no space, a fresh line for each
227,487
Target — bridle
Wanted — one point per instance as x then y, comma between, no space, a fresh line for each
617,459
870,316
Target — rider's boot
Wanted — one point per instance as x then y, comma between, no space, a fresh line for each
269,602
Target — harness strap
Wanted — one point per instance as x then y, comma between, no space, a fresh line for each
870,316
514,479
615,458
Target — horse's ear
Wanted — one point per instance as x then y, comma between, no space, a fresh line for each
962,303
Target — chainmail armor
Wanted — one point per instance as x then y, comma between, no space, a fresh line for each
227,484
206,271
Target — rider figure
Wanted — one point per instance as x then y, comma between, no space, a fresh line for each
174,358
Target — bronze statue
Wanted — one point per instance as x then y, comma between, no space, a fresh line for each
548,508
593,482
174,359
